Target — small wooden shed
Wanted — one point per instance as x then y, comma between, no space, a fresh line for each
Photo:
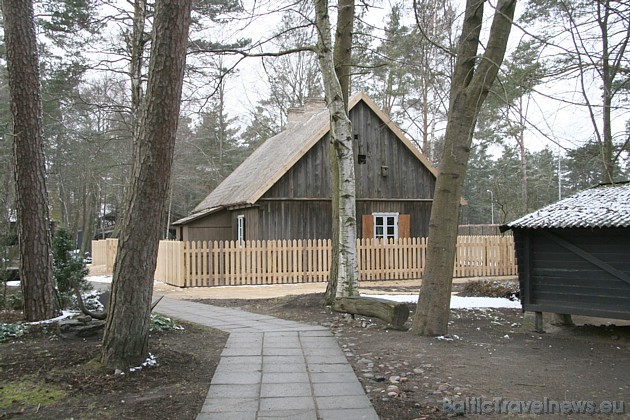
283,189
574,256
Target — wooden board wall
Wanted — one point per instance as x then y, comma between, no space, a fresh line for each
555,278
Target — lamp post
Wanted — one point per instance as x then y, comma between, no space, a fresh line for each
491,204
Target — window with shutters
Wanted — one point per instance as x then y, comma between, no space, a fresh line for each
377,225
385,225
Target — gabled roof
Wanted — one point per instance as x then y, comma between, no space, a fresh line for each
602,206
267,164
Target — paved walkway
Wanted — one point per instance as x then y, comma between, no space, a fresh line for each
274,368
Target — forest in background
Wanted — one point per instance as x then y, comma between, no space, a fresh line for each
94,63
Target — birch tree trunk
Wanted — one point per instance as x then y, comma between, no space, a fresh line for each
341,138
472,78
33,217
125,342
342,59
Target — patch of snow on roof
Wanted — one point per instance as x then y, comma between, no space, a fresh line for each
603,206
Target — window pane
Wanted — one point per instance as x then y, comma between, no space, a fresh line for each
378,221
390,231
379,231
390,221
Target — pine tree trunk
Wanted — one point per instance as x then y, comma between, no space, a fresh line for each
469,88
341,138
127,329
33,218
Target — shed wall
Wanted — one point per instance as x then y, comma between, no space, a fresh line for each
554,277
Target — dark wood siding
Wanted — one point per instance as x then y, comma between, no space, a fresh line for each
406,176
214,227
554,277
288,219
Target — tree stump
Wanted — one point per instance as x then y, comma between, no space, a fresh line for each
394,313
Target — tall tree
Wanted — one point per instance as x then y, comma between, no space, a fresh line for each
505,111
36,268
472,78
589,43
125,342
342,60
341,138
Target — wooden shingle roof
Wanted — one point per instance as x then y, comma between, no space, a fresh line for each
267,164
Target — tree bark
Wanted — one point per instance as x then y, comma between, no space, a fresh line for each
469,88
394,313
342,58
33,218
341,138
125,342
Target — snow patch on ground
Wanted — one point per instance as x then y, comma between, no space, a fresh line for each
100,279
458,302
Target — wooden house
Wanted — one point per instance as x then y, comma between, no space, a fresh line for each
573,256
283,189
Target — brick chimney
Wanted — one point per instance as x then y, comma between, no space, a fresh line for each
311,106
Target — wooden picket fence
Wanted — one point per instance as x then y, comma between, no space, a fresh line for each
207,264
104,254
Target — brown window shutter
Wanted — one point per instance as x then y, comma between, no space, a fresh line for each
404,225
367,220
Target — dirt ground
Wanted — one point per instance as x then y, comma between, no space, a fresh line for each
488,354
47,374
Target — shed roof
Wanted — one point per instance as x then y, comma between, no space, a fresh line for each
606,205
196,216
267,164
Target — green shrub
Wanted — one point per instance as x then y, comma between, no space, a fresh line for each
69,268
162,323
11,331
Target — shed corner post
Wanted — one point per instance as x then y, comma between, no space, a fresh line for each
538,322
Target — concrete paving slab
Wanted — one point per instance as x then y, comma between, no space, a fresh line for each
289,415
348,414
234,391
270,390
222,405
343,402
284,378
287,403
229,415
335,389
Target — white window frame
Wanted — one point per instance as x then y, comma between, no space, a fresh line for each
240,231
384,216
